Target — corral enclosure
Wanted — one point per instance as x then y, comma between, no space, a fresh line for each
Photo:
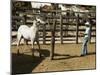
68,26
59,37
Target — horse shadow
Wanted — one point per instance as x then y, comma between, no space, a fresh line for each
23,63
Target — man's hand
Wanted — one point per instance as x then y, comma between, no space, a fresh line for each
81,34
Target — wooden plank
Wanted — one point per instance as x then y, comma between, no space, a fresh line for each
17,17
61,29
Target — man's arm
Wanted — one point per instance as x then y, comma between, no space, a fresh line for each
82,34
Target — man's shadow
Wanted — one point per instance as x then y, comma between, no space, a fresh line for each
67,56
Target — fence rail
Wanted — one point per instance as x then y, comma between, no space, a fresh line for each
66,26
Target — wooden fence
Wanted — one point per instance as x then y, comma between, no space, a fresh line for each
65,26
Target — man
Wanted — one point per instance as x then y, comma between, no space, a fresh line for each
86,39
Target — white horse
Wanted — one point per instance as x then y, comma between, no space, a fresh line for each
29,33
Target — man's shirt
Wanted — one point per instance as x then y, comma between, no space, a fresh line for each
87,32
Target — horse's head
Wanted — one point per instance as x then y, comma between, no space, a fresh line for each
40,20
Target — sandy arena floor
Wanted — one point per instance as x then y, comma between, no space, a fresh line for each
67,57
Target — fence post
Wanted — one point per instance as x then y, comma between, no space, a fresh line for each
44,34
24,19
61,29
77,28
53,39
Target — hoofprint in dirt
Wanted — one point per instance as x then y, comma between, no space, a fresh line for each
67,57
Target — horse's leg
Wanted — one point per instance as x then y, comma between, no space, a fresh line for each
32,43
18,41
26,41
37,40
26,45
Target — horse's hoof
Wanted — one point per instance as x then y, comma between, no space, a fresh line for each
32,54
40,55
18,53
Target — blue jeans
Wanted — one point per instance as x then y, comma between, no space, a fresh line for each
84,46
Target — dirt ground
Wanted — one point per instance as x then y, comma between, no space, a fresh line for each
67,58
